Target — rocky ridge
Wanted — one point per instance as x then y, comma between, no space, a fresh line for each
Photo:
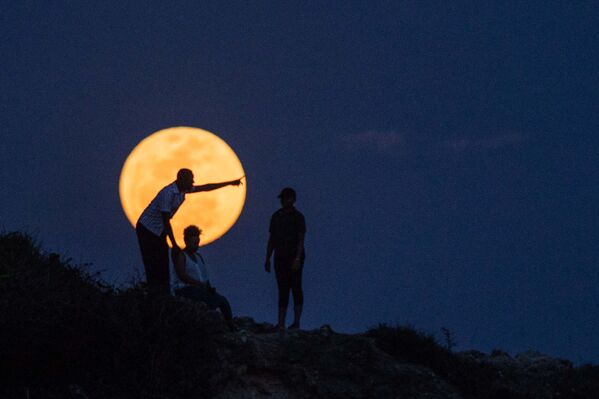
319,363
323,363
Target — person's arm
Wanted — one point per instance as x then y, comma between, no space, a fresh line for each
269,250
215,186
179,263
166,222
165,199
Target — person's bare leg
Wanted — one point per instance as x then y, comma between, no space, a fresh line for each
282,316
297,314
298,298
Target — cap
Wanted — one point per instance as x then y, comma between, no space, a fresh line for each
287,192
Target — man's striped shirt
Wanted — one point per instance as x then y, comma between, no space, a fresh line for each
169,199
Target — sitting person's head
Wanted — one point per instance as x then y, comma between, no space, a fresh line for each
191,235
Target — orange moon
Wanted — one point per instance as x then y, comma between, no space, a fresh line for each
154,163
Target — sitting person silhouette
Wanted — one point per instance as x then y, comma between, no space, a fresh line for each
191,276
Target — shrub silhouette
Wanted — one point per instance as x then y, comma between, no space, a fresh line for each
61,326
581,382
409,345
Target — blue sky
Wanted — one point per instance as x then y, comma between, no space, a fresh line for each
444,153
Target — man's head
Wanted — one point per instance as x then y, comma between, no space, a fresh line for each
287,197
185,179
191,235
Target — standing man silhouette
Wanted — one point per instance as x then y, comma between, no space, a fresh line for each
154,225
286,240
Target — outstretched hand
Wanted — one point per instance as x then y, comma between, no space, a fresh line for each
237,182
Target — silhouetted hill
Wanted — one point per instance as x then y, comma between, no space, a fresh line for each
64,334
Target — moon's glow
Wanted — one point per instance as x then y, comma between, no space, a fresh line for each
154,163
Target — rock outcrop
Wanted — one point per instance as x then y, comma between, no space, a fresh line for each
318,364
322,363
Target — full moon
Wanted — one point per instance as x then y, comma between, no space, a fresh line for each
154,163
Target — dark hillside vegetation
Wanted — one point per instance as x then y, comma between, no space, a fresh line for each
476,375
60,328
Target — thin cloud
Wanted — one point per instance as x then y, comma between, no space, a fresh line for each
380,141
462,144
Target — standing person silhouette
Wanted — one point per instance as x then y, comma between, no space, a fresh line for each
154,225
286,240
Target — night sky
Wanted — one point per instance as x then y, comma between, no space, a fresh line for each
444,154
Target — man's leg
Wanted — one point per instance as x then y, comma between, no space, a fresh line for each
213,301
192,292
148,244
217,301
282,271
161,269
298,297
